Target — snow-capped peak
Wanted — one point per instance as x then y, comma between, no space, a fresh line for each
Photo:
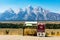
10,10
18,10
38,9
29,8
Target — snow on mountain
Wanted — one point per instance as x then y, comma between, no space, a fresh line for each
9,10
29,14
20,15
7,15
53,16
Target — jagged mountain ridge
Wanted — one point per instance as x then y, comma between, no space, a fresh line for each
29,14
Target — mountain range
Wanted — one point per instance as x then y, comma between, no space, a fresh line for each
29,14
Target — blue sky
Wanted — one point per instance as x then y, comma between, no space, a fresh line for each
52,5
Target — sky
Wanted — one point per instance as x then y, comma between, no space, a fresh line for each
51,5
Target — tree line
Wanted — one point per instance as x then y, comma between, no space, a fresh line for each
11,25
52,26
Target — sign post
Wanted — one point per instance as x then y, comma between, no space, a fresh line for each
41,30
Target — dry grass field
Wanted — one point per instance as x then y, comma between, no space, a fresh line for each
6,31
29,31
52,32
11,31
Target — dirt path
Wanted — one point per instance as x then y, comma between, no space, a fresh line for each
16,37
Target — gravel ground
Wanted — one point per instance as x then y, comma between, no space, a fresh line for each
16,37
